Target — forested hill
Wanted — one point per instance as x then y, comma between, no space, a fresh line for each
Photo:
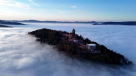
118,23
4,26
72,49
10,23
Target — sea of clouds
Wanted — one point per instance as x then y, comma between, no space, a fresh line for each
21,55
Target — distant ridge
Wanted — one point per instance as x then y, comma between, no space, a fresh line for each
90,22
117,23
4,26
10,22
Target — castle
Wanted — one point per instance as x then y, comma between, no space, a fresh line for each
74,38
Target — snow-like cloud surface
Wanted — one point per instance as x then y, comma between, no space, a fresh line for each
21,55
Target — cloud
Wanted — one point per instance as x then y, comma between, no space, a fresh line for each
1,1
78,10
61,11
33,3
14,4
73,6
21,55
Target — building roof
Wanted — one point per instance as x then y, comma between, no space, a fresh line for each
91,44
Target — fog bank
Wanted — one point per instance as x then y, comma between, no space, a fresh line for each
21,55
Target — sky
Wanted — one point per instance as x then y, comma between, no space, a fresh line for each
68,10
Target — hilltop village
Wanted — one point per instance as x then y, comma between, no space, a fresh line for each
72,37
76,46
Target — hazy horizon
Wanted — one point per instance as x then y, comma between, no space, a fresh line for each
71,21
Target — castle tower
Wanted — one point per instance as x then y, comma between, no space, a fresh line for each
73,31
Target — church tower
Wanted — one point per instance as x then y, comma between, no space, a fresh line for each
73,31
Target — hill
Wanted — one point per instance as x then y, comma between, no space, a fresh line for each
4,26
10,23
78,47
117,23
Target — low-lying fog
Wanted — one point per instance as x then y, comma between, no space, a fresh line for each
21,55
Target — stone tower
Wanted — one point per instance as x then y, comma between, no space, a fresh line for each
73,31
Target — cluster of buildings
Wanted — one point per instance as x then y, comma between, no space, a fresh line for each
73,38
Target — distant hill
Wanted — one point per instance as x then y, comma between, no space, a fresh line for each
4,26
54,21
10,22
118,23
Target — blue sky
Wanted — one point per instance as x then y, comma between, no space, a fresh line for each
68,10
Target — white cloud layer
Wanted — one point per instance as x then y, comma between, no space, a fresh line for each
21,55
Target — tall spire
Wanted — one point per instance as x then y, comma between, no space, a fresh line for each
73,31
